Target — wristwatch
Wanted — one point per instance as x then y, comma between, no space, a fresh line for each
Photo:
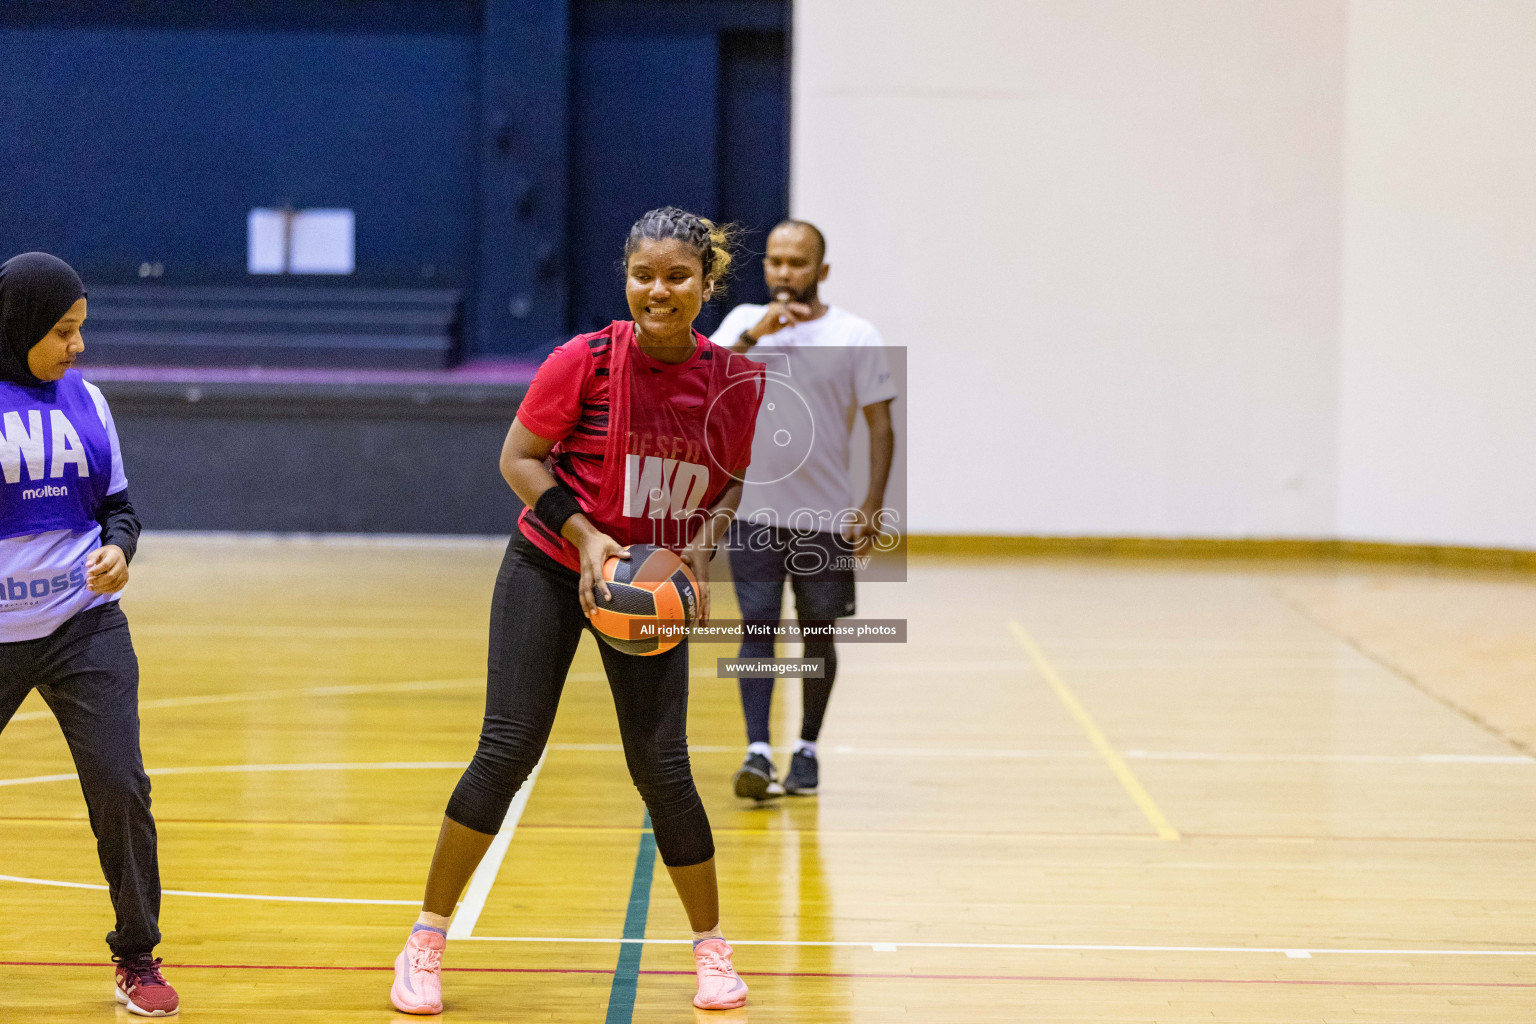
745,337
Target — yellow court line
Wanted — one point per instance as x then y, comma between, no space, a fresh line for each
1096,736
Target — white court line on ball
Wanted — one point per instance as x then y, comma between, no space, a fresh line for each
62,777
484,878
342,690
903,752
244,769
1292,952
949,753
216,895
1477,758
324,766
299,631
982,753
1163,755
885,947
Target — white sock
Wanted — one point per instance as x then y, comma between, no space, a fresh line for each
760,748
806,747
436,922
713,933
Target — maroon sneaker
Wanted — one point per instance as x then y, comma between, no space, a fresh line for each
143,989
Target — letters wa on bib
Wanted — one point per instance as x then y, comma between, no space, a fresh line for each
645,446
59,462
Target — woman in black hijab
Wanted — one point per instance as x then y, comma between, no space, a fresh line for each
67,534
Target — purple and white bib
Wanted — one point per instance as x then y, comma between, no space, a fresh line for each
59,458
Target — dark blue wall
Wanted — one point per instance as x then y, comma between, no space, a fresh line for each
501,146
152,144
638,142
521,291
689,109
753,189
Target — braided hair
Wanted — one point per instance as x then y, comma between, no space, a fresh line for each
712,243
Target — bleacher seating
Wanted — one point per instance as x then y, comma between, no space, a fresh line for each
283,326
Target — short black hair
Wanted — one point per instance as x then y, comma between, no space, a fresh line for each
821,239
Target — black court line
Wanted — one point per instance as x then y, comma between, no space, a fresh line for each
626,976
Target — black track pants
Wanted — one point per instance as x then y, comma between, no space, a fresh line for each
87,673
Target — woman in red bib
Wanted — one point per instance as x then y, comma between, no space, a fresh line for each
639,433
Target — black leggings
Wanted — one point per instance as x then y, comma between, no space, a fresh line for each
88,674
536,623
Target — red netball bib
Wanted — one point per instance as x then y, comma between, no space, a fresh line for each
677,436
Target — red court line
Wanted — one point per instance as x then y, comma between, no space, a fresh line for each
850,975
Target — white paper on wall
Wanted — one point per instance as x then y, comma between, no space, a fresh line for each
319,241
265,246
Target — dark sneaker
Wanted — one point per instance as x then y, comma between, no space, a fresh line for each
757,779
803,775
143,989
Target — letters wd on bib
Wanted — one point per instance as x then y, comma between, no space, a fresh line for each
611,404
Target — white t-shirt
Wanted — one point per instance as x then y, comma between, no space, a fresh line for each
820,374
55,553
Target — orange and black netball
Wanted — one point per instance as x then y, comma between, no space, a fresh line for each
655,600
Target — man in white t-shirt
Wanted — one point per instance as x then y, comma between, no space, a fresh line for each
798,518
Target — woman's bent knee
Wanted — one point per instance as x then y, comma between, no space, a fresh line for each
486,789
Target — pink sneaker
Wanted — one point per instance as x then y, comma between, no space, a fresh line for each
720,987
143,989
418,986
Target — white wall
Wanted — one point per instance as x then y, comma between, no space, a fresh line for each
1439,326
1112,235
1108,232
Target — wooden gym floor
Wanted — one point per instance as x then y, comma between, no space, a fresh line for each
1086,790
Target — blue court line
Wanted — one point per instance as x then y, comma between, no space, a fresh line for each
626,976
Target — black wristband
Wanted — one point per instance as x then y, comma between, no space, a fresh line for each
745,338
555,506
